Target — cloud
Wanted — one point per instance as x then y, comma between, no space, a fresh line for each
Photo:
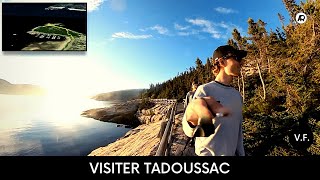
184,30
207,26
118,5
160,29
229,27
199,22
180,28
92,5
225,10
127,35
188,33
217,30
184,33
224,25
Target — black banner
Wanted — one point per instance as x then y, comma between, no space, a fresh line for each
96,167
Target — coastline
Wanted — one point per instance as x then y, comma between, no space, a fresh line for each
143,140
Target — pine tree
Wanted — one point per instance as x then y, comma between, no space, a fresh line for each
232,43
208,71
241,44
291,7
257,31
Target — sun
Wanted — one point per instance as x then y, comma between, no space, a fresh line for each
75,79
84,78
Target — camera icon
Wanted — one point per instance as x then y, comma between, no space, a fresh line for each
301,18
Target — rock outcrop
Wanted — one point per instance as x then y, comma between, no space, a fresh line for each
123,113
143,140
156,113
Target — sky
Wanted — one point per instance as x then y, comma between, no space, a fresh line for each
133,43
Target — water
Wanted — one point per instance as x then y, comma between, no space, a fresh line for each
52,126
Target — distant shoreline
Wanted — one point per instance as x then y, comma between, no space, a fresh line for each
20,89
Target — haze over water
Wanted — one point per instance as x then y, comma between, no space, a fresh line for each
52,126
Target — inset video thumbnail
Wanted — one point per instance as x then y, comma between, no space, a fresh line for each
44,26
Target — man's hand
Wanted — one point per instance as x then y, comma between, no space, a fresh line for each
203,108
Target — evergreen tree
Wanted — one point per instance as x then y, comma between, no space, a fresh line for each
292,8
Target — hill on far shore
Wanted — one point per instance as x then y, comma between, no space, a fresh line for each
121,95
20,89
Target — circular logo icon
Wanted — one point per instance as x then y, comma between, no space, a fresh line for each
301,18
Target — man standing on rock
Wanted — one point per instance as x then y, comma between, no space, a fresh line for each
214,99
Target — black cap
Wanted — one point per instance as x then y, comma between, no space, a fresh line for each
227,50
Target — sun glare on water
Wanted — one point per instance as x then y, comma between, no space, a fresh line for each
62,110
69,89
69,82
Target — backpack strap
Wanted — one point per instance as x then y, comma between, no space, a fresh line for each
189,140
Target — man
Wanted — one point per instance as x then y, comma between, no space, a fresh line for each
218,97
190,94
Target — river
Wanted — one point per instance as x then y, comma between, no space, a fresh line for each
52,126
